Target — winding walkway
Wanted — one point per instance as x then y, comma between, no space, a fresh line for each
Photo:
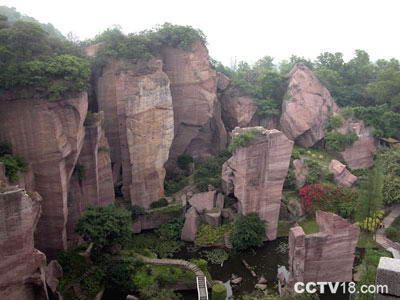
201,281
380,234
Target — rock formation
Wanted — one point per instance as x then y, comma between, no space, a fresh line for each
203,201
139,125
300,173
20,261
307,107
92,181
199,130
341,175
255,175
324,256
388,274
361,154
191,225
49,134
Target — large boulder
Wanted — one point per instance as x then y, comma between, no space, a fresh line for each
341,175
20,261
191,225
137,105
324,256
300,173
255,174
307,107
199,130
361,154
50,135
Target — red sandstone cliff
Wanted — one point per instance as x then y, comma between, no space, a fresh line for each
199,130
94,185
255,175
49,134
137,106
307,108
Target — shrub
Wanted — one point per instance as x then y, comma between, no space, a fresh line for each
93,281
216,256
159,203
136,211
105,226
392,233
172,229
119,274
173,186
5,149
219,292
13,165
340,142
243,139
309,195
248,231
184,160
334,123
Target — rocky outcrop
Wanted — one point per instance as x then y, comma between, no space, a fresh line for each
361,154
20,261
300,173
139,125
307,107
341,175
154,219
203,201
92,180
191,225
388,274
49,134
199,130
53,272
255,175
324,256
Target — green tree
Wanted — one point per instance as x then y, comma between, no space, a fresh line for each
248,231
105,226
219,292
370,199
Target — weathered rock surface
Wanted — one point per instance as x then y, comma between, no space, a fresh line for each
361,154
20,261
324,256
137,106
388,274
53,272
307,108
300,173
191,225
154,220
203,201
255,174
50,136
213,218
341,175
223,82
92,181
199,130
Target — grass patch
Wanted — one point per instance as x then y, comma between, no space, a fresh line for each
310,226
209,235
283,228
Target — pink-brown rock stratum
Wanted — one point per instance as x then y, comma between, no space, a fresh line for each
255,175
307,107
139,125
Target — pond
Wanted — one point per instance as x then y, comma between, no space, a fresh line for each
264,261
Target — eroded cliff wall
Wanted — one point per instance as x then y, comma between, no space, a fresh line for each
139,125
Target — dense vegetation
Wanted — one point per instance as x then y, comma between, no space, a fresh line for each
14,164
390,163
248,232
31,58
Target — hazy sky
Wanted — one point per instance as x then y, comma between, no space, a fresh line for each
241,30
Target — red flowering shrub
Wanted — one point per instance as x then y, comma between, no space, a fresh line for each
309,195
341,201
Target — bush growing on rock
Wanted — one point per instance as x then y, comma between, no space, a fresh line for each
339,142
243,139
248,231
184,160
159,203
172,229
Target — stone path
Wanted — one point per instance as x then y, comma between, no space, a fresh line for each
380,234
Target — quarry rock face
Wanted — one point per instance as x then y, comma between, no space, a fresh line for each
92,180
324,256
203,201
361,154
255,175
49,134
20,261
191,225
388,274
341,175
139,125
199,130
307,107
238,110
